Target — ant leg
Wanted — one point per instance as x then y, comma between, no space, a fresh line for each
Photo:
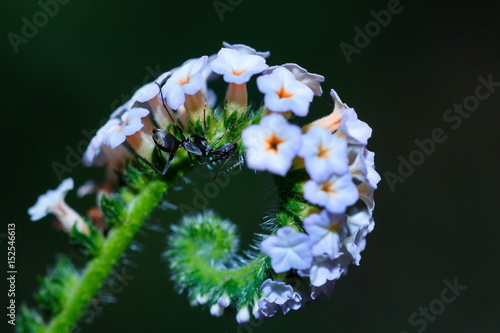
170,158
204,122
209,149
150,165
191,160
219,173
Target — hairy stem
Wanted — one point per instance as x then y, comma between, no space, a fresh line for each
100,267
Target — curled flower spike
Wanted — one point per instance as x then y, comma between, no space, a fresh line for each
272,145
323,173
237,69
53,202
283,93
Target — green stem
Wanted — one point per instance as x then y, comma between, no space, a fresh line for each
100,267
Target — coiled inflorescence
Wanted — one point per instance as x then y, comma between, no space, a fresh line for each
324,174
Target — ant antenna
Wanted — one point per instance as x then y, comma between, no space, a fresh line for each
168,112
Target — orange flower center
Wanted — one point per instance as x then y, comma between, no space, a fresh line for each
183,81
323,152
239,72
283,93
273,142
335,227
328,188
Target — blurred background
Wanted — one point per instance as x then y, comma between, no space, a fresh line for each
438,223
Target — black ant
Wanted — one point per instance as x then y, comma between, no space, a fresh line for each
194,144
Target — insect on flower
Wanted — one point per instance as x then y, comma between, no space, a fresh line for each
194,144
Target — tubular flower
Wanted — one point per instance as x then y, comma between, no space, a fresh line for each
52,202
237,69
283,92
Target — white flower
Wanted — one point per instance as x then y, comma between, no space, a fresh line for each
288,249
285,93
335,193
122,109
272,145
277,295
372,176
236,67
243,49
359,225
94,154
352,129
313,81
186,80
224,301
243,315
149,90
216,310
131,123
326,231
324,154
323,269
52,202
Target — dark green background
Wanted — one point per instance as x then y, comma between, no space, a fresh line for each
441,223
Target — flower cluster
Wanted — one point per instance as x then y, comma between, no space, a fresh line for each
340,174
325,212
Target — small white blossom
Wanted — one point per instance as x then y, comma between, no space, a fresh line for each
335,193
94,154
323,269
277,294
149,90
288,249
352,129
236,67
224,301
243,315
52,202
285,93
359,225
243,49
324,154
131,123
186,80
326,231
372,176
272,145
216,310
313,81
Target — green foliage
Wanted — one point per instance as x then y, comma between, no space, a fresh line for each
92,243
30,321
204,261
57,285
113,210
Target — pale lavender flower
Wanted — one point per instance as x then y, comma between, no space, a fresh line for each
326,232
131,122
243,49
285,93
324,154
312,80
236,67
186,80
335,194
52,202
272,145
288,249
